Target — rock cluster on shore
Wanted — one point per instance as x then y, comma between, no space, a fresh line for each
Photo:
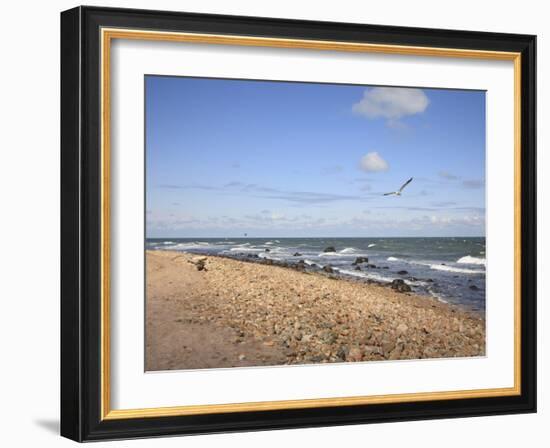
302,266
311,318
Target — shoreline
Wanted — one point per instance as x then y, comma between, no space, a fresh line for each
208,311
399,282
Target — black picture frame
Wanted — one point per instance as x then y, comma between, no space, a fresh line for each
81,224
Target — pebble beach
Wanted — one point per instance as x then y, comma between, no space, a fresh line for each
217,312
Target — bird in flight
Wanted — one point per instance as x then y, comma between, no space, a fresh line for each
398,192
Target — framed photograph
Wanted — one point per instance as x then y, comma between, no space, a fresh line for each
274,223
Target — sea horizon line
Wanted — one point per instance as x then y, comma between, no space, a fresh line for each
304,237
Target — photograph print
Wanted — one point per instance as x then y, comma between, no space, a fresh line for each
294,223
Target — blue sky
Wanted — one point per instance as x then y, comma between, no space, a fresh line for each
228,157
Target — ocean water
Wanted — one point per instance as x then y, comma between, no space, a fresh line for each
449,269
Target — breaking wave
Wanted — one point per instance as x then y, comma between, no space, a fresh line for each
468,259
348,250
443,267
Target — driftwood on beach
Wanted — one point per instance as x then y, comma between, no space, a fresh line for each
208,312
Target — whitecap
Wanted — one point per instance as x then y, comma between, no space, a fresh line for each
183,246
393,259
330,254
245,249
348,250
443,267
372,245
341,254
468,259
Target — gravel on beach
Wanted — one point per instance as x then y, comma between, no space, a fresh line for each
213,312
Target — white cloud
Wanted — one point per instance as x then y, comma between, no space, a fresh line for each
373,162
391,103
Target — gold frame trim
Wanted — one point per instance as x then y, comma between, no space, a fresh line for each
107,35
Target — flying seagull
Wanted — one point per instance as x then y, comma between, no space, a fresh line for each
398,192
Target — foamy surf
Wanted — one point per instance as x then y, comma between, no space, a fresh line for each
246,249
437,296
468,259
449,265
369,275
348,250
444,267
342,254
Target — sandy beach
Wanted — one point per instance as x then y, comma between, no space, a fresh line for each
213,312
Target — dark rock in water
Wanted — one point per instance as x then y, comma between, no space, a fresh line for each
385,267
297,254
330,249
402,272
357,268
429,280
412,279
328,268
372,266
474,288
360,260
267,249
400,285
252,256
